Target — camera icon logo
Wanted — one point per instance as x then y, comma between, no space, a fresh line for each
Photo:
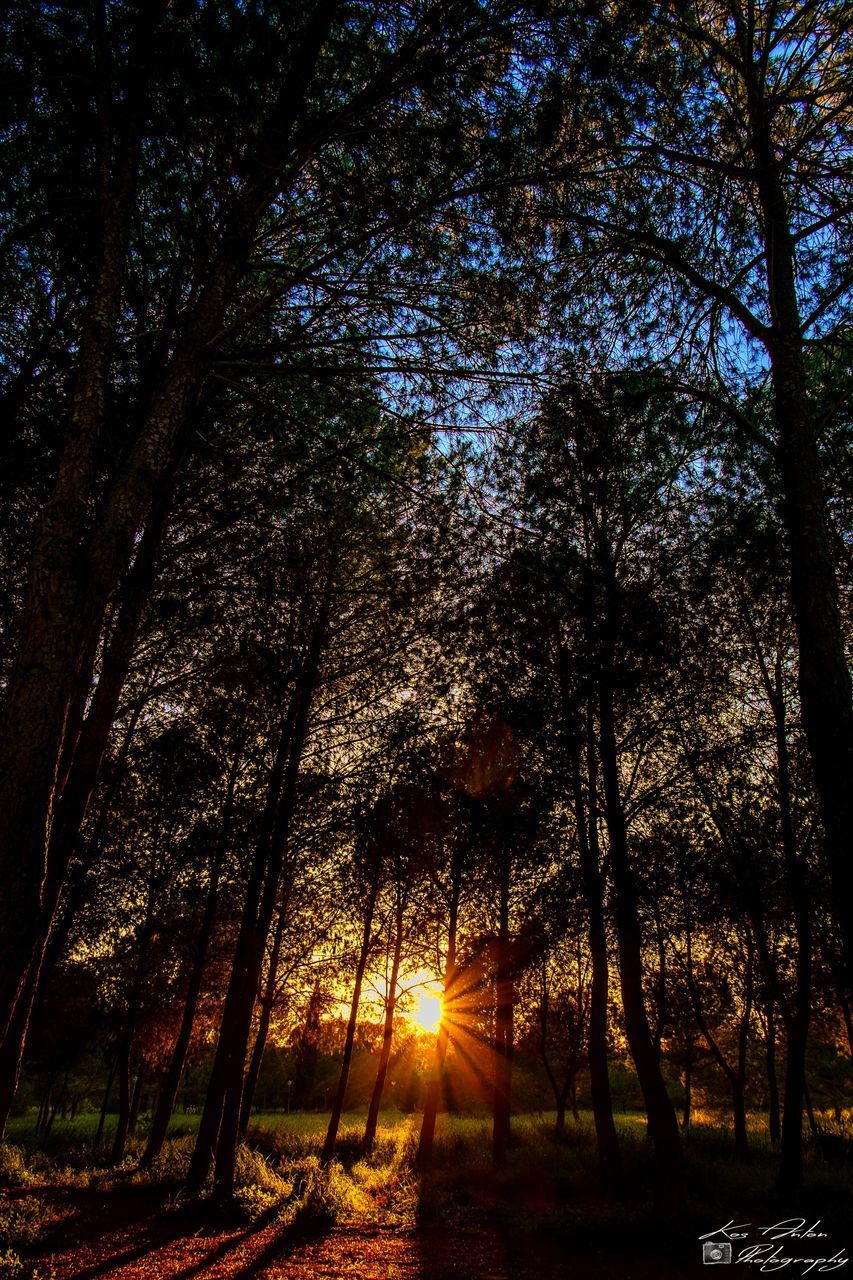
714,1254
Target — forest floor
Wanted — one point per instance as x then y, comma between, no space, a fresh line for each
64,1218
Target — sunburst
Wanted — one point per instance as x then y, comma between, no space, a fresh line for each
427,1012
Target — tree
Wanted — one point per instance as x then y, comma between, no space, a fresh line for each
232,231
728,131
559,1011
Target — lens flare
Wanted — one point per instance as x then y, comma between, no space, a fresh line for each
427,1011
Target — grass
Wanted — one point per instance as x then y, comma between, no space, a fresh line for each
550,1185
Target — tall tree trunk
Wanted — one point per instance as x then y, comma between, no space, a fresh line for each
82,776
790,1176
607,1141
501,1103
43,682
791,1163
426,1141
45,1103
12,1050
224,1091
75,570
58,1101
136,1099
171,1084
41,1113
661,1012
735,1076
688,1087
131,1018
739,1084
254,928
826,695
558,1092
99,1132
813,1129
123,1117
229,1060
267,1002
573,1099
584,791
387,1032
774,1116
739,1116
363,954
663,1125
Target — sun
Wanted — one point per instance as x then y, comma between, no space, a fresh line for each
427,1011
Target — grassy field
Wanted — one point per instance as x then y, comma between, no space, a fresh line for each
82,1128
550,1189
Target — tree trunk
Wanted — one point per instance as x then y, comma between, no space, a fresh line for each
826,695
123,1118
791,1164
735,1076
133,1008
607,1141
343,1079
82,777
824,681
661,1013
267,1003
774,1118
220,1120
558,1092
585,803
44,1105
171,1084
844,1005
739,1116
739,1080
136,1100
688,1089
387,1034
58,1102
426,1141
99,1132
74,571
229,1060
663,1125
255,926
43,682
573,1099
501,1102
230,1056
813,1129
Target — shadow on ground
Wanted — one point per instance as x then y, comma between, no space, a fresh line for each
147,1238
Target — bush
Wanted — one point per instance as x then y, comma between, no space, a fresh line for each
172,1162
14,1169
22,1222
11,1265
258,1189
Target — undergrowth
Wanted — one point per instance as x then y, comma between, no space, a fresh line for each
550,1182
24,1219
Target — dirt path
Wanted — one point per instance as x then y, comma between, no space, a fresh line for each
144,1243
349,1254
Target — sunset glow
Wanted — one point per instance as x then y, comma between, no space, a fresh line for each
427,1011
